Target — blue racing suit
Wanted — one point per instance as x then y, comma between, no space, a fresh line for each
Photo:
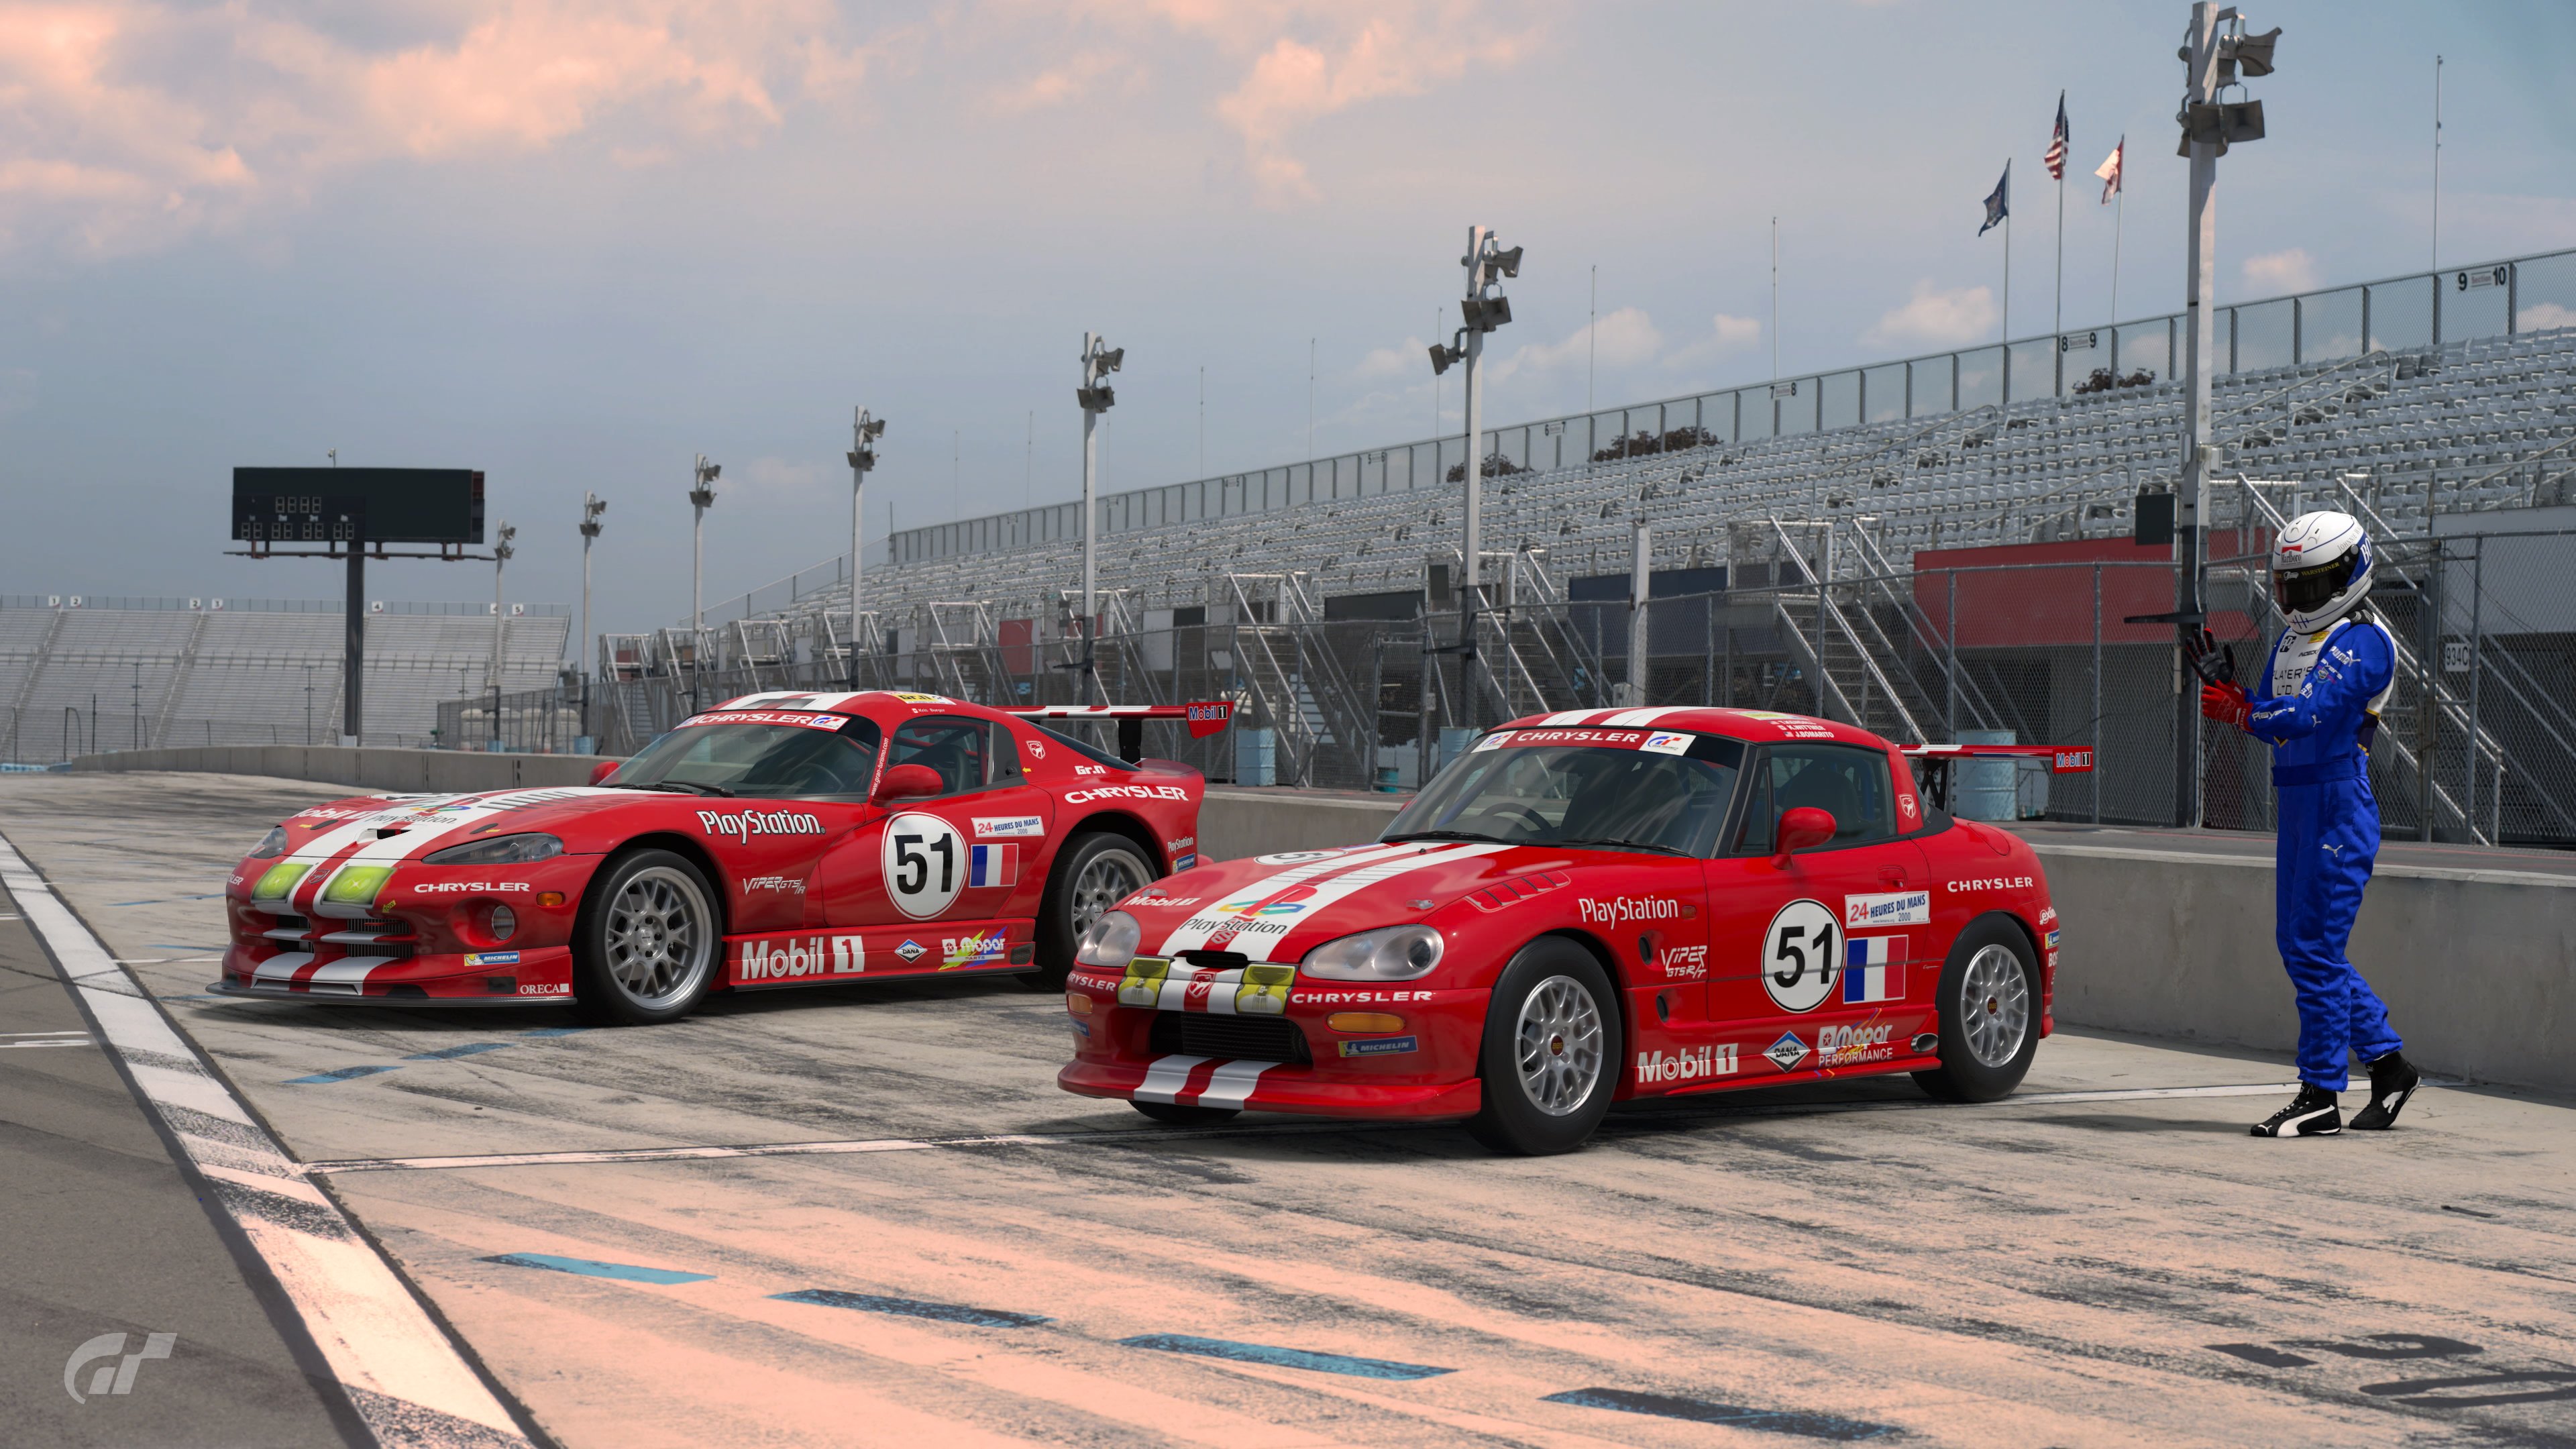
2317,705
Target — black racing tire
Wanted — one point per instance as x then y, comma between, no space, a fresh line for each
1096,870
1175,1115
1989,1006
1550,1062
649,942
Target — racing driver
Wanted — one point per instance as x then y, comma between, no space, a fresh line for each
2317,705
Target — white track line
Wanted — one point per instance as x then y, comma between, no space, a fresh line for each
1129,1137
406,1380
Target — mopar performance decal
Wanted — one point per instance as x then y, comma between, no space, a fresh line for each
745,824
1852,1046
956,953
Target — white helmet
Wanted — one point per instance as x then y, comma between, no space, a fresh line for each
2320,568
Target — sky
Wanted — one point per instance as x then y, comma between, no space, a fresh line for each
575,243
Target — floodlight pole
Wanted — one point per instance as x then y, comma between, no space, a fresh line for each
1096,397
501,551
702,494
864,432
592,505
1473,508
1640,580
353,664
2199,347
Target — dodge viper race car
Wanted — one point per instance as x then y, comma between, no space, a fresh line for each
1586,907
775,840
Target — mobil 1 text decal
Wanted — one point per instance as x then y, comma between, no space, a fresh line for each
1802,955
925,864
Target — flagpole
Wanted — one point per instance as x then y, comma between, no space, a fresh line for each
2060,322
2007,337
2119,214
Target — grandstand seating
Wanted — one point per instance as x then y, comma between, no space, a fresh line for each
122,673
2465,426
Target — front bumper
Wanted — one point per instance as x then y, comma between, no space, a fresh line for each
534,976
1188,1047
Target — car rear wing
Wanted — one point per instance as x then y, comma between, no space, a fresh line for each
1934,762
1206,717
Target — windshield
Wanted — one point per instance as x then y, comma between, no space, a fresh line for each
1604,795
761,759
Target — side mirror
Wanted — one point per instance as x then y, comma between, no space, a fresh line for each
1804,828
603,770
911,782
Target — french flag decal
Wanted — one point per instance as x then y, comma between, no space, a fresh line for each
994,865
1873,969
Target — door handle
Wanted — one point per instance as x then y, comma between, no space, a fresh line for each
1889,875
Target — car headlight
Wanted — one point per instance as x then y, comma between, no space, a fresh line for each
1111,940
1397,953
270,845
357,885
499,850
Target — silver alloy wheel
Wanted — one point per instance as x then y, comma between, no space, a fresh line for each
1558,1045
1110,877
660,937
1994,1006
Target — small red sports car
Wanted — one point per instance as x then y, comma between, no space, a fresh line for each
775,840
1587,907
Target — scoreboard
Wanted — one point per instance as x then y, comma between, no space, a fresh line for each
378,505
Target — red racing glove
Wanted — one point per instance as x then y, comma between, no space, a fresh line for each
2226,703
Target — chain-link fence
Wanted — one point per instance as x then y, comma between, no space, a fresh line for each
529,721
2477,740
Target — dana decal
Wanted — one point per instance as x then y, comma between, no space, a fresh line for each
1851,1046
1890,908
748,823
798,958
1685,963
959,952
1690,1064
1009,826
1787,1052
1623,910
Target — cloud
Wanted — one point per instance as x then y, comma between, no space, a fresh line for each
2542,316
1936,318
2274,273
1627,337
1726,334
1397,361
128,124
1070,81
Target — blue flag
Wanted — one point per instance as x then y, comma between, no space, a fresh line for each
1999,202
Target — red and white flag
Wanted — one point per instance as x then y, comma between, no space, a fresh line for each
2056,157
2109,171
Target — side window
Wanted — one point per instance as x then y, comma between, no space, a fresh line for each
1844,781
956,748
1006,755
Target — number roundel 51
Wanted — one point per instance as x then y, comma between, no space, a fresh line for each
1802,955
925,864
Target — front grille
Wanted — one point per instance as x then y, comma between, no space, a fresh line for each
1214,960
1239,1038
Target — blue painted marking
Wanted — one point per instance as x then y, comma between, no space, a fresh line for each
1296,1358
165,900
589,1268
450,1053
553,1030
1734,1416
913,1308
340,1074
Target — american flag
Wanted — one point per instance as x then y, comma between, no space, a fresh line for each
2109,171
2056,157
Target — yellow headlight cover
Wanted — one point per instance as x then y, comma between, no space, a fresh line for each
279,880
357,885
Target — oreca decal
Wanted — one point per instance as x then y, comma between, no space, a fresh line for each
1802,956
925,864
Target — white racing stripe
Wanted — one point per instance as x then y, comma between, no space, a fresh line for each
1382,865
1166,1077
1231,1085
406,1380
1638,718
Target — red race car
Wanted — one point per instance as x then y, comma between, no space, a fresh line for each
1586,907
775,840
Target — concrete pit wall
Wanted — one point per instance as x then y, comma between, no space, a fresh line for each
2478,966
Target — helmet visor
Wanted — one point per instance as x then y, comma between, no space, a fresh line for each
2304,591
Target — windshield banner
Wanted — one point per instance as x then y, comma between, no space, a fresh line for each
765,716
1598,739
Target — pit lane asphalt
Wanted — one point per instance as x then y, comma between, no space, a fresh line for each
1825,1261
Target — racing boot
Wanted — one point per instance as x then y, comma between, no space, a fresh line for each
2315,1112
2393,1079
